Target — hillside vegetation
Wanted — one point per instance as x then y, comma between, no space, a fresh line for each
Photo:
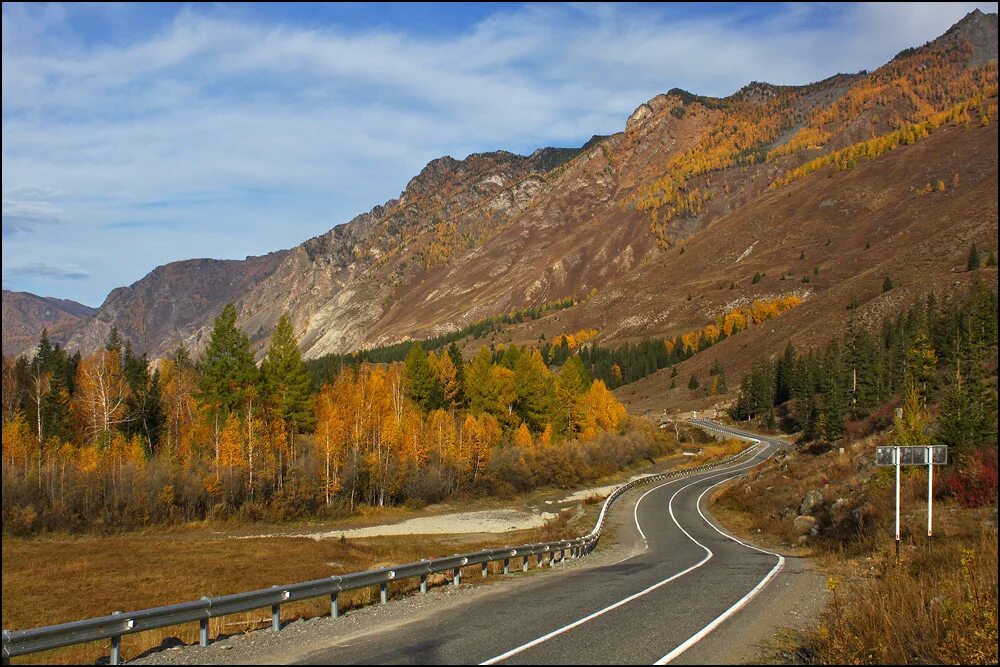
929,376
99,441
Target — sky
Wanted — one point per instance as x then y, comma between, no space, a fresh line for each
135,135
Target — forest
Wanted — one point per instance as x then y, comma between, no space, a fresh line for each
930,373
108,441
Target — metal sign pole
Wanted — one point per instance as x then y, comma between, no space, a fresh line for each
930,495
897,456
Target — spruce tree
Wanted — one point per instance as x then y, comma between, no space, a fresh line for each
115,342
422,385
287,384
534,389
973,262
227,373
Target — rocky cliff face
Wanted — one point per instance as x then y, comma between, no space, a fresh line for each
496,231
171,304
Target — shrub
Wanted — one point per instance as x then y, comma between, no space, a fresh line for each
973,482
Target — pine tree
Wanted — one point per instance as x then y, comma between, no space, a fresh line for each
422,385
286,380
227,372
115,343
973,262
887,284
693,383
535,390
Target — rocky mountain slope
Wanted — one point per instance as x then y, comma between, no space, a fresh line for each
26,315
694,194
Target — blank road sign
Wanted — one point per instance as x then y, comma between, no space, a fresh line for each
883,456
912,456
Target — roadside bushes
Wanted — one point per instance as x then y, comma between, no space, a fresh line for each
973,481
570,463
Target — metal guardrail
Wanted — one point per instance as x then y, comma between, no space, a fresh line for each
117,624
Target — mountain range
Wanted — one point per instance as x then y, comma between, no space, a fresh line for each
697,206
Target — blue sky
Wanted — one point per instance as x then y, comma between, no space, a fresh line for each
135,135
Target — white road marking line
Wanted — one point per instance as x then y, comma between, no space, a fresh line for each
701,634
601,612
635,511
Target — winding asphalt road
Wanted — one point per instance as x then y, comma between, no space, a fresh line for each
646,609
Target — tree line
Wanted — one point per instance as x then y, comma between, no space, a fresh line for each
633,361
326,367
109,440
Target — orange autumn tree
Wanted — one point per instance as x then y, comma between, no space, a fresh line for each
601,412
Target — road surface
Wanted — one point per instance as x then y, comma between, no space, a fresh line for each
688,578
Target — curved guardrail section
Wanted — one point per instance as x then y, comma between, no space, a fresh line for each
114,626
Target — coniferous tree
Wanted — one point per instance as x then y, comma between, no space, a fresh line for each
287,385
459,364
115,342
227,374
973,262
422,385
534,388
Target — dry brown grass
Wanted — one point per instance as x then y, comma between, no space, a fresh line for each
938,604
54,580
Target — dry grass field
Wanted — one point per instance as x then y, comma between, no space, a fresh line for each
58,579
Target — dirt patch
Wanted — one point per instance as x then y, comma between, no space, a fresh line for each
486,521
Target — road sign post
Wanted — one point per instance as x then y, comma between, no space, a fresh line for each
930,496
899,456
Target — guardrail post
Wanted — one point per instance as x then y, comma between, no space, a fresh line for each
486,569
116,645
458,577
423,583
526,563
334,605
383,589
506,566
203,628
276,615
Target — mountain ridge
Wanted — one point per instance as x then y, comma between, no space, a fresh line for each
496,231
